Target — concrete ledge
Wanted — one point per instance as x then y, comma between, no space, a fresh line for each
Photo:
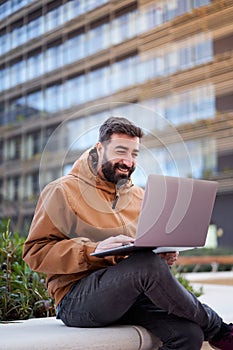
51,334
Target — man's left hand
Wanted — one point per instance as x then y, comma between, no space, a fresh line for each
170,257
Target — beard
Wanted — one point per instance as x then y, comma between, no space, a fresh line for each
110,171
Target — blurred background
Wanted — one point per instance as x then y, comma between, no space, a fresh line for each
67,65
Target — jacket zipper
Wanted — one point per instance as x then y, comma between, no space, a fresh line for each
117,213
115,201
119,185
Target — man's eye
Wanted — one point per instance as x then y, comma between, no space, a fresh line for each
135,155
120,152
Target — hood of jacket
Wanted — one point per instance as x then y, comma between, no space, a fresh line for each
83,171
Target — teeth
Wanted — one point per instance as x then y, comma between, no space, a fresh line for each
123,169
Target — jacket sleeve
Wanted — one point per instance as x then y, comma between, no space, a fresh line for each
53,245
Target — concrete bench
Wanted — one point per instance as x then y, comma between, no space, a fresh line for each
51,334
213,260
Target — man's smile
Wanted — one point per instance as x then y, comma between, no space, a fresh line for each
122,168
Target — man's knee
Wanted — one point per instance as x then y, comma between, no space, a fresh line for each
149,264
191,338
147,260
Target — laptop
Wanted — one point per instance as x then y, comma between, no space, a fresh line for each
175,215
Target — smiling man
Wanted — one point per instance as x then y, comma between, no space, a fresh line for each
117,157
96,207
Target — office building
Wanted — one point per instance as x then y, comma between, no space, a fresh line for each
66,65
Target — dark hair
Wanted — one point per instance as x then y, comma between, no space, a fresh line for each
118,125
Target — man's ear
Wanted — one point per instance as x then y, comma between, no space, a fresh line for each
99,148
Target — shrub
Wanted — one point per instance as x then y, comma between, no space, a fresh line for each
23,293
187,284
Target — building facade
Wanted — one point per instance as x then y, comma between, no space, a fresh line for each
66,65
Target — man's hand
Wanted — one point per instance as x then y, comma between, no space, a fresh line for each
171,257
113,242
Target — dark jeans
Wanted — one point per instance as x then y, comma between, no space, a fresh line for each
141,290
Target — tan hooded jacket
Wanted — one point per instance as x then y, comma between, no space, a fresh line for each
73,214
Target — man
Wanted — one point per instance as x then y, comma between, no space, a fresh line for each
94,208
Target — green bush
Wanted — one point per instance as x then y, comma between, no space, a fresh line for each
23,293
187,284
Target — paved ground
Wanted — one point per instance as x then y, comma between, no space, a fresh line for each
218,293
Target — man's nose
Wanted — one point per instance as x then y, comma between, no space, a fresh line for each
127,161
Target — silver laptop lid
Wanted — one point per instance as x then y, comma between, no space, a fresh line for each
175,212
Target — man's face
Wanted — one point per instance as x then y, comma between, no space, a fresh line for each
117,157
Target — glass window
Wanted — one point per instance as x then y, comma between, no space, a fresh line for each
95,40
54,18
49,57
2,113
50,99
185,55
106,35
2,79
13,75
18,36
124,73
5,9
199,3
120,29
35,185
20,109
28,146
67,168
69,97
21,71
94,87
5,43
74,49
1,152
205,102
53,58
69,12
80,89
75,91
34,104
203,49
90,5
47,133
182,7
14,148
79,7
21,35
15,4
133,23
114,81
170,9
28,191
83,132
7,78
171,59
54,98
10,189
145,70
153,15
34,28
37,144
186,112
159,106
33,69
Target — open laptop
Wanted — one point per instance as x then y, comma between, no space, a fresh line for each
175,215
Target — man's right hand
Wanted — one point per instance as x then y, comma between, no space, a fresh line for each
113,242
